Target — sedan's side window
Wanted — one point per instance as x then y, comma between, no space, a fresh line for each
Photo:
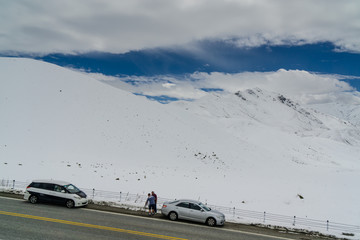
183,205
195,206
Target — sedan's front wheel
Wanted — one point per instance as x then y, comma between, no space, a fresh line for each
211,222
173,216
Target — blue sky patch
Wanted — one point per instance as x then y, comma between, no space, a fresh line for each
216,56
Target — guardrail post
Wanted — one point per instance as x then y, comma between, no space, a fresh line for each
234,212
264,216
120,196
294,220
13,184
327,225
93,193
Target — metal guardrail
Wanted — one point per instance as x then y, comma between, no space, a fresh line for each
241,215
120,196
12,184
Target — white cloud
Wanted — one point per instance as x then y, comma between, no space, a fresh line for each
154,86
302,86
120,26
168,85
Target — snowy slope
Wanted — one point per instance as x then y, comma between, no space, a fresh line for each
349,112
58,122
274,111
255,150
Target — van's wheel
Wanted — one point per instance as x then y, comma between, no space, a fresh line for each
211,222
33,199
69,203
173,216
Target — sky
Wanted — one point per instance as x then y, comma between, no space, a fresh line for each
155,39
120,26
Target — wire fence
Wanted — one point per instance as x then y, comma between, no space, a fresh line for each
121,197
232,214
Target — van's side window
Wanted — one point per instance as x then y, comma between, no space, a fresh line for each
49,186
35,185
59,188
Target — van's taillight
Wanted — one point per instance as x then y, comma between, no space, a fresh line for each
28,187
164,206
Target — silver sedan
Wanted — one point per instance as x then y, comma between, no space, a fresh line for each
193,211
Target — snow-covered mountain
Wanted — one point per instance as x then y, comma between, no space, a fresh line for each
254,108
255,149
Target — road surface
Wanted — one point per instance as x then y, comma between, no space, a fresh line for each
22,220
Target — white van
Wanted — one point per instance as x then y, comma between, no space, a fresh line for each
57,192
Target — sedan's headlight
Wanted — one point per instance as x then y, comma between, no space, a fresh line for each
221,217
77,197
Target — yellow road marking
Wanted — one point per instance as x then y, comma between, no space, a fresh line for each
90,225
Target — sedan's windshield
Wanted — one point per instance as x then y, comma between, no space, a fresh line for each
72,189
206,208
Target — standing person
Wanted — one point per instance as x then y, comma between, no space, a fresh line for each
155,196
151,201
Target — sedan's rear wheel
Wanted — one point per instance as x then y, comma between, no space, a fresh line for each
70,203
173,216
33,199
211,222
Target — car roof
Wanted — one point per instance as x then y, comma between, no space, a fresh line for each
187,200
59,182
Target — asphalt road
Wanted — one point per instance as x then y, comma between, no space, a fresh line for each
22,220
